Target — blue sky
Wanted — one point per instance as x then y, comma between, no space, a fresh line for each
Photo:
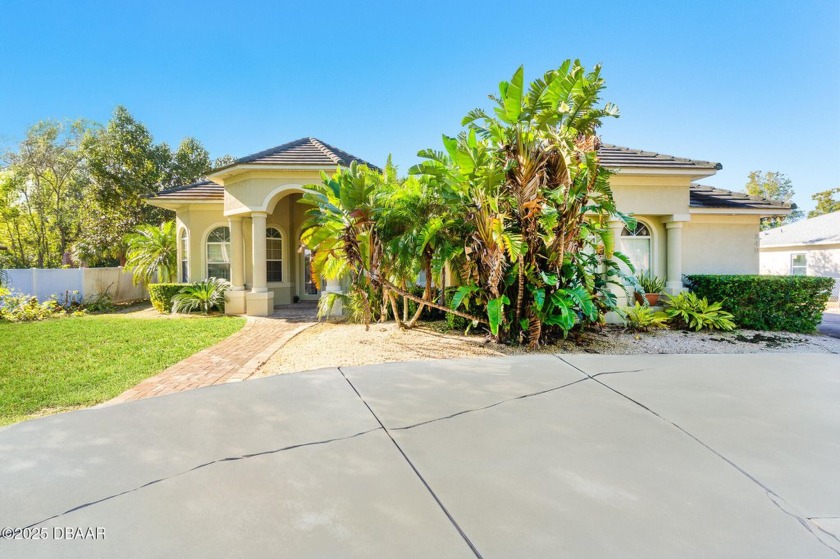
753,85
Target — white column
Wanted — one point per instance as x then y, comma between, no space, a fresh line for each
617,227
260,301
237,256
674,284
258,252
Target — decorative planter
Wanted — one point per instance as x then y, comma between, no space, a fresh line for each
652,299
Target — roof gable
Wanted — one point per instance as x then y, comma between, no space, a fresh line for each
304,152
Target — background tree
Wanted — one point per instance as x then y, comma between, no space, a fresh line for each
775,186
826,203
223,161
190,162
41,189
125,167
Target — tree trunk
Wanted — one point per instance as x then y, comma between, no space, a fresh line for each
408,295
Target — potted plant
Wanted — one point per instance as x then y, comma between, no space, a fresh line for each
652,287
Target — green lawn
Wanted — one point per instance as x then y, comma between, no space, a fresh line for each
60,364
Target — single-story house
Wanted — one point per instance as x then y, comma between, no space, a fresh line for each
810,247
243,222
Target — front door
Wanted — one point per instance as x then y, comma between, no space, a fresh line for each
309,291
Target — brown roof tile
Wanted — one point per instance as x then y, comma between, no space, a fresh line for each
621,157
308,152
702,196
202,190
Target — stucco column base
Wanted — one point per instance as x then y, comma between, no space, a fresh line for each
235,302
259,304
674,287
333,287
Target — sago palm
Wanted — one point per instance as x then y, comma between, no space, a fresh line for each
204,296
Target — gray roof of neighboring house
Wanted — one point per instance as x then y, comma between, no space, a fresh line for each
823,229
702,196
307,152
621,157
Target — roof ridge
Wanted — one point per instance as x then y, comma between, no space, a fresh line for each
328,152
269,151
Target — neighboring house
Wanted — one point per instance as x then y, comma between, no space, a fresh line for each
243,223
810,247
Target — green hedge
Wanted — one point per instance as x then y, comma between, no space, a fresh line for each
161,295
792,303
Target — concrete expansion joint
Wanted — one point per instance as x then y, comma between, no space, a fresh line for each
201,466
774,497
416,471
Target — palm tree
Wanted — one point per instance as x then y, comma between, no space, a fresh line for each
152,253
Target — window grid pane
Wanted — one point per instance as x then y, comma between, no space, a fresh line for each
274,270
218,271
274,249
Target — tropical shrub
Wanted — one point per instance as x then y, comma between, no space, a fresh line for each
792,303
642,318
98,303
152,253
206,296
687,310
516,207
161,295
650,283
16,307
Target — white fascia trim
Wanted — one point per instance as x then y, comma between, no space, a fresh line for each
239,168
737,211
803,246
696,173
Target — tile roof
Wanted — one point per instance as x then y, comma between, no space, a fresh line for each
823,229
201,190
621,157
701,196
307,152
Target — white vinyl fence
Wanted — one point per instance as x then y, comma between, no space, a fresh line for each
44,283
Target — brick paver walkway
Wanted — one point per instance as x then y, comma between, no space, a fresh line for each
233,359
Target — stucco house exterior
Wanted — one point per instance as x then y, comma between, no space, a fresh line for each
810,247
243,222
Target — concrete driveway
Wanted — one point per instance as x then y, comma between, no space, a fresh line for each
539,456
830,324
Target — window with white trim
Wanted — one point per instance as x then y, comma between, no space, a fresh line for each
218,253
635,244
798,264
185,261
273,255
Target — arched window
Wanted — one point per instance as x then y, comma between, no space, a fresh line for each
185,260
636,245
273,255
218,253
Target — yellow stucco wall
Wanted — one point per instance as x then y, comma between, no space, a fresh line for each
651,195
260,190
199,220
721,244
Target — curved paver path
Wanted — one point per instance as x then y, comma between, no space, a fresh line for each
235,358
